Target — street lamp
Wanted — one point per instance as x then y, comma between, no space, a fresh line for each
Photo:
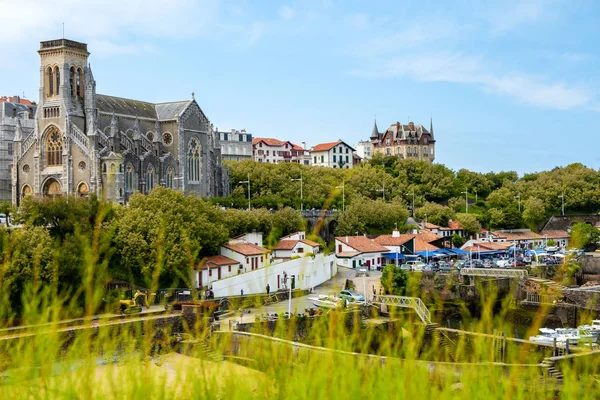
425,226
518,197
301,198
343,187
562,197
466,193
382,190
413,202
248,182
475,196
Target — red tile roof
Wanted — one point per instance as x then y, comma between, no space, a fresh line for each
429,225
215,262
555,234
296,147
525,235
363,244
10,99
269,141
326,146
422,240
247,249
287,244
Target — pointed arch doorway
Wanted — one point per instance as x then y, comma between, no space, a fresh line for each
52,188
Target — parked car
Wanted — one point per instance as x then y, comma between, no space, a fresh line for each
416,266
444,267
352,296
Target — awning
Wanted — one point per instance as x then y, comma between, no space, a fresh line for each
514,249
459,252
394,256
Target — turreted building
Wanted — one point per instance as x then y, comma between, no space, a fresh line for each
83,142
404,141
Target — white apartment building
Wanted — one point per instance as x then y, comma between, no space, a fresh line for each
333,155
275,151
363,149
235,145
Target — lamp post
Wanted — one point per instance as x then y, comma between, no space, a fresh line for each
343,187
475,196
425,226
413,202
518,197
466,193
301,198
382,190
248,182
290,297
562,197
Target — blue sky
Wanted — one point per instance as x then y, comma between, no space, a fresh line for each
510,86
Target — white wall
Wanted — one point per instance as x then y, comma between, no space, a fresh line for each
309,273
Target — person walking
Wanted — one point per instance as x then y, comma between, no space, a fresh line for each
242,290
268,289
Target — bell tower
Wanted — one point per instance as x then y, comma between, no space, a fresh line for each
63,65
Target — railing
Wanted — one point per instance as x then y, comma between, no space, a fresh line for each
494,272
407,302
63,42
27,143
146,143
127,142
540,298
79,138
102,138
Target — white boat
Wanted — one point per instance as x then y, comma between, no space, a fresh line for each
573,336
594,328
546,335
325,301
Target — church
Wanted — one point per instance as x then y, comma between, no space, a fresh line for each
84,143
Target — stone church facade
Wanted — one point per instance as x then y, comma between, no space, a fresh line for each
85,143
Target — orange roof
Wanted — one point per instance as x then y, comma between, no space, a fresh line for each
326,146
288,244
555,234
269,141
363,244
215,262
429,225
246,249
310,242
519,235
422,240
5,99
296,147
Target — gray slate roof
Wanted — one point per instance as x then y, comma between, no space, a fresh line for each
122,106
171,110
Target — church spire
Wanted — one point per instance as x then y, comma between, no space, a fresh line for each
375,132
431,126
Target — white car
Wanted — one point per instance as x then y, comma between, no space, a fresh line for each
416,266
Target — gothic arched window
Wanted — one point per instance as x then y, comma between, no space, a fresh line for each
170,181
129,178
72,82
193,159
53,148
57,77
149,178
50,82
78,83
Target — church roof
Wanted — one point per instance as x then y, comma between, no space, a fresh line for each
170,110
118,105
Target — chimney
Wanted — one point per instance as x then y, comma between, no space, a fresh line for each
346,238
395,233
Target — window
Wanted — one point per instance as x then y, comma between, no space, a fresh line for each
50,82
209,271
334,149
229,269
322,159
416,151
387,151
10,149
79,82
30,113
170,181
193,156
300,249
346,150
149,178
334,158
57,75
315,161
425,151
347,159
72,82
387,142
129,178
425,140
53,148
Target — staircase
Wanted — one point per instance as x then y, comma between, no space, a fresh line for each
552,371
443,339
201,349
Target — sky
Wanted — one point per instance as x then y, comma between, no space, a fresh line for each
510,85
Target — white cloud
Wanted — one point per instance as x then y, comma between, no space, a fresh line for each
458,68
106,19
507,15
286,12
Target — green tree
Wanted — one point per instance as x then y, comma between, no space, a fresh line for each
584,236
469,223
6,208
534,211
371,216
436,213
457,240
161,237
394,280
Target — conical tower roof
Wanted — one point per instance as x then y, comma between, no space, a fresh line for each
375,132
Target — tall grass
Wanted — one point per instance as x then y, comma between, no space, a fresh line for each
339,355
